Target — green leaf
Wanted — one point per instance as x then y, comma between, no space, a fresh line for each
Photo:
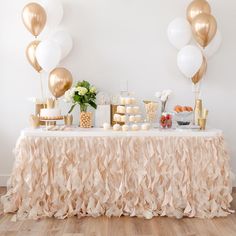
92,104
77,98
85,84
72,108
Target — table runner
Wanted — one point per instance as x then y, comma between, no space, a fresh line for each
144,174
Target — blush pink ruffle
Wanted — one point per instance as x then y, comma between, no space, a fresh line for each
113,176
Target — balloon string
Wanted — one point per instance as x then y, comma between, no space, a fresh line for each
41,87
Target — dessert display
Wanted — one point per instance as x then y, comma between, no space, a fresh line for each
121,109
146,126
166,121
151,111
127,115
179,109
183,115
135,127
116,118
116,127
125,128
50,114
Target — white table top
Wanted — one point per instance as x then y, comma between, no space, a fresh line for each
98,132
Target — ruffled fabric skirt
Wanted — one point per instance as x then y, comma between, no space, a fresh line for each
113,176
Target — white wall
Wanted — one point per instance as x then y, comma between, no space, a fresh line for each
116,40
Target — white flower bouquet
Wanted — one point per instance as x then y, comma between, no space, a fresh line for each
83,94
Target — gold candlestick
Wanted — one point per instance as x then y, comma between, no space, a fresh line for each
68,120
197,111
205,113
34,121
202,123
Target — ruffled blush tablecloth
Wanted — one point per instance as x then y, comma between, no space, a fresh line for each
95,172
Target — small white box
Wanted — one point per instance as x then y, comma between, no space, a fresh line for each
102,115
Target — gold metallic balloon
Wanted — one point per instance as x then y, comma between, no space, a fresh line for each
197,7
34,18
30,54
204,28
60,80
199,75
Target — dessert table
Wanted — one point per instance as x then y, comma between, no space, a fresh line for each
93,172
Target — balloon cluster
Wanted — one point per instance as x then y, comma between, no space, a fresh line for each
46,55
192,60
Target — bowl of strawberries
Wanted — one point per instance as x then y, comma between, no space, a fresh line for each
166,120
183,115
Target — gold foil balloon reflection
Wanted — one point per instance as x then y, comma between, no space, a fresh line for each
30,54
204,29
60,80
199,75
34,18
197,7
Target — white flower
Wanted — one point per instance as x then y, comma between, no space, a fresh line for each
93,89
82,90
164,97
73,90
68,96
158,94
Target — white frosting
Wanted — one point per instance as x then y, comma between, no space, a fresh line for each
138,118
116,127
117,117
121,109
146,126
129,110
132,119
136,110
135,127
123,119
125,127
50,112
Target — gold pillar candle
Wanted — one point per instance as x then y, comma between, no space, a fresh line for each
202,123
68,120
34,121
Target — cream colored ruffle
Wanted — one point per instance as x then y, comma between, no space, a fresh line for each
114,176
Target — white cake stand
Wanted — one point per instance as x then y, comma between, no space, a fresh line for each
49,121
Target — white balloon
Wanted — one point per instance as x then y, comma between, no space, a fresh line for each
189,60
179,32
55,12
48,55
214,46
64,40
